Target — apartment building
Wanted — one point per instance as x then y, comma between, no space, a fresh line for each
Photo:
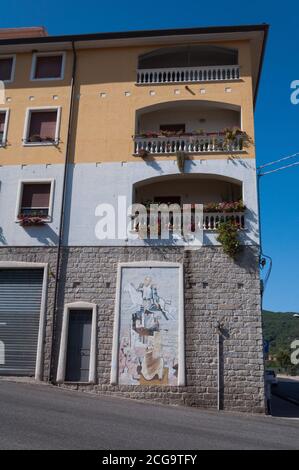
90,125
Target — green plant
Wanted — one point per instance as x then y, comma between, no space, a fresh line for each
181,158
142,153
228,237
232,135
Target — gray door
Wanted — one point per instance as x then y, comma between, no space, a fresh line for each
78,347
20,305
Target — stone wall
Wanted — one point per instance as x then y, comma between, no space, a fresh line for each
216,289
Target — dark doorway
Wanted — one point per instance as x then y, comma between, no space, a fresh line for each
173,127
167,200
78,346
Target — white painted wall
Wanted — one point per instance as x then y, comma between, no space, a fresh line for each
11,233
92,184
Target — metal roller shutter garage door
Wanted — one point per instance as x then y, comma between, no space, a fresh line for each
20,305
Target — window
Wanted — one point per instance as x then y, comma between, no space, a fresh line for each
7,65
3,126
49,66
35,199
42,126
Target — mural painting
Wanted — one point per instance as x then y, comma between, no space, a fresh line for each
148,339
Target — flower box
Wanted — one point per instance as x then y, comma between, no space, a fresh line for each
29,221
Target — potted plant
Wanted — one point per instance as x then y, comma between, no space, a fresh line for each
181,158
34,138
29,220
142,153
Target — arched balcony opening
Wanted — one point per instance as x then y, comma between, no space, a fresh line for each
190,126
193,63
220,196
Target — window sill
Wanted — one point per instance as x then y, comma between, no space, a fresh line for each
40,144
45,221
46,79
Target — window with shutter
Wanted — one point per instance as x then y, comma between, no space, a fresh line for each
6,66
48,67
2,124
35,199
3,116
42,126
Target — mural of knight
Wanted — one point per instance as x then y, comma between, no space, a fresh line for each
148,335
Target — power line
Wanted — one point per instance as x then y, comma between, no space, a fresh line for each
278,169
259,174
277,161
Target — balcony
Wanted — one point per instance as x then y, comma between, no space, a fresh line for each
210,221
214,73
175,199
195,143
188,64
188,126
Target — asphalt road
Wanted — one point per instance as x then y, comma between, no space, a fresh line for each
45,417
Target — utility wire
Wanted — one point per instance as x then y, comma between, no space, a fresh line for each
277,161
262,254
278,169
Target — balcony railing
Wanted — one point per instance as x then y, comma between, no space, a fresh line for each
188,144
210,221
189,74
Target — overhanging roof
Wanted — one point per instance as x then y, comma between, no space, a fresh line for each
256,33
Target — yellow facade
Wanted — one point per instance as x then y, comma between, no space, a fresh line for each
105,103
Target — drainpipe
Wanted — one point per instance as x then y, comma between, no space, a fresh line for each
63,202
219,371
219,335
267,400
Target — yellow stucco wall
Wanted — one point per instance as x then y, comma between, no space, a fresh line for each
103,126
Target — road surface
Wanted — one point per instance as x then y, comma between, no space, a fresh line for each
45,417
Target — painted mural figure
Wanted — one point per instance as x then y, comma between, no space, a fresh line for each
148,350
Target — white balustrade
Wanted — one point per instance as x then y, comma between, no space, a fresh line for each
210,221
188,144
188,74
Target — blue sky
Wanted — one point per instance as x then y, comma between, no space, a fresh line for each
277,120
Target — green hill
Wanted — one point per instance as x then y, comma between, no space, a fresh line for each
280,329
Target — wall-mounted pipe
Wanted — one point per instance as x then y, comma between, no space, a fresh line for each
63,203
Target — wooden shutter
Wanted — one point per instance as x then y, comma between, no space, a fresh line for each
36,195
48,66
43,124
6,68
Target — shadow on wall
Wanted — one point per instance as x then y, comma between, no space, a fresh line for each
68,203
251,225
44,235
3,240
